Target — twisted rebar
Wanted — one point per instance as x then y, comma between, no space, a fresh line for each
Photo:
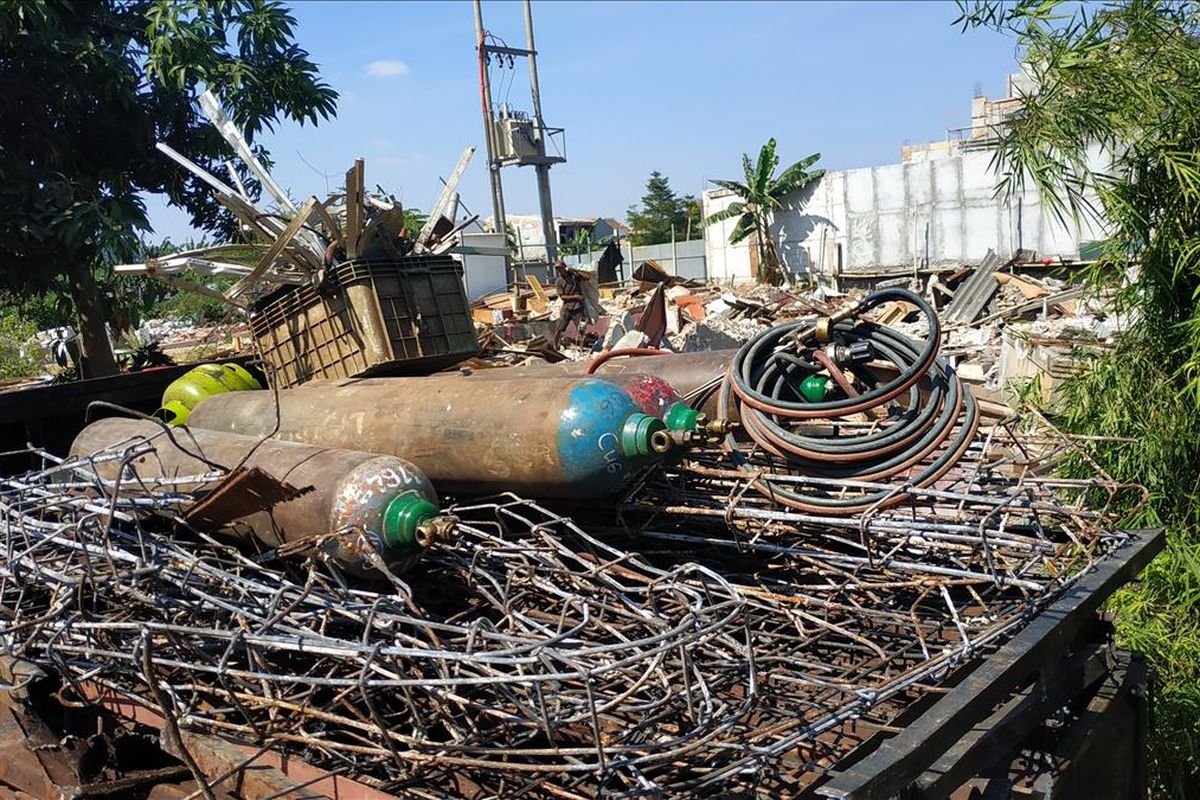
744,648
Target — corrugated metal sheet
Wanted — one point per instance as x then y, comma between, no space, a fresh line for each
974,294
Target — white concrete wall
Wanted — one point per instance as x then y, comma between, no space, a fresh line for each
528,230
879,217
483,274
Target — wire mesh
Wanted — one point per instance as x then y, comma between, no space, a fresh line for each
712,643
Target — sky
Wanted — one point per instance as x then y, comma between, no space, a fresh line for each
680,87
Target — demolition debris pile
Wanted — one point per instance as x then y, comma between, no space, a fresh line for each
1000,321
773,551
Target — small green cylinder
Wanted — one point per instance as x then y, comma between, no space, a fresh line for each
637,434
681,417
816,388
398,531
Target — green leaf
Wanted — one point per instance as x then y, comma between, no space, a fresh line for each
767,162
733,210
744,228
740,189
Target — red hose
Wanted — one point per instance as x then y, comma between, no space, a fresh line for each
483,99
625,351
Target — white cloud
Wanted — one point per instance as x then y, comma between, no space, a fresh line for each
387,69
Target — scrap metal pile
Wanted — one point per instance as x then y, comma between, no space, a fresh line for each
298,245
709,641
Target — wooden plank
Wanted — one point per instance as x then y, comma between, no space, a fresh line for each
273,252
444,198
1029,288
894,312
335,230
484,316
538,291
354,207
541,302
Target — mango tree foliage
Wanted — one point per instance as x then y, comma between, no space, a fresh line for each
89,88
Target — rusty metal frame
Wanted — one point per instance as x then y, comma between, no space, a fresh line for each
231,762
899,763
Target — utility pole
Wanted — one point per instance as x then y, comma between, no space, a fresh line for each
542,168
489,132
513,139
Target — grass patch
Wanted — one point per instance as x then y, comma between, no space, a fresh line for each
1156,428
20,356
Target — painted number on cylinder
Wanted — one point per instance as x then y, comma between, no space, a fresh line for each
610,445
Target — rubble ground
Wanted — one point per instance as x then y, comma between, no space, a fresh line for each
1033,325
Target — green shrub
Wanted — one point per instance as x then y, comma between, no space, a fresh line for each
196,308
20,356
1155,441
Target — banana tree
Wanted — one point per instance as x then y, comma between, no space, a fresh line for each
758,198
579,245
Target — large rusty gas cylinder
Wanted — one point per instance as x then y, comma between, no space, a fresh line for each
547,437
385,498
684,372
651,394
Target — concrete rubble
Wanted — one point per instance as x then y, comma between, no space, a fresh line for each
1035,317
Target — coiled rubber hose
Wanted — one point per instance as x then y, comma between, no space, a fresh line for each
917,438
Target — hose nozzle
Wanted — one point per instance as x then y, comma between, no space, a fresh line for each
718,428
822,329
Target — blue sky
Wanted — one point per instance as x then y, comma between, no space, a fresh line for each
683,88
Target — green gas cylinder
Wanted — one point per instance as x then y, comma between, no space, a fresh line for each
816,388
186,391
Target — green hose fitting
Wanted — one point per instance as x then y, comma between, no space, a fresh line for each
681,417
401,519
816,388
643,435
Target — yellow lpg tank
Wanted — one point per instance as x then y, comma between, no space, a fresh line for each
186,391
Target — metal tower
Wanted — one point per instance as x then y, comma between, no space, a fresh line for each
514,138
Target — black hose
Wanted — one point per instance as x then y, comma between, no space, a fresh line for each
918,439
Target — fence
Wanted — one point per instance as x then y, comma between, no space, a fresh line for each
685,259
